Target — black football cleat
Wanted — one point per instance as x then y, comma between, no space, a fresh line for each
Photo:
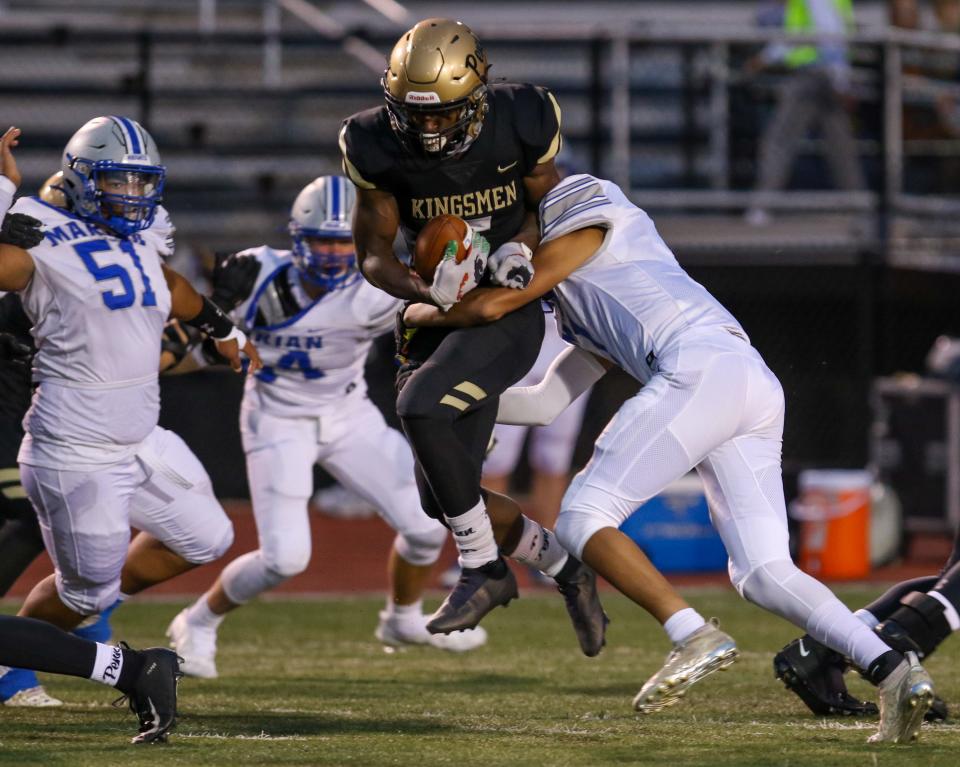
578,584
937,712
815,673
478,591
154,697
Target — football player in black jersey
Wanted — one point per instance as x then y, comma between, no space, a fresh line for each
446,141
914,615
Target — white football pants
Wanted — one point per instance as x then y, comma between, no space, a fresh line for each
356,446
720,410
85,516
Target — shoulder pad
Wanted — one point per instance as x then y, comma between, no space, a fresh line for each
364,147
536,117
576,202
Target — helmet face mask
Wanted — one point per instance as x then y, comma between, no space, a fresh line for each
460,121
112,175
435,86
327,262
323,251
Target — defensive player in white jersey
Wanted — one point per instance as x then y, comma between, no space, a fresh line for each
93,460
314,319
708,402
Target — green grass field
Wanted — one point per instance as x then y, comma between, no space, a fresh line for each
305,683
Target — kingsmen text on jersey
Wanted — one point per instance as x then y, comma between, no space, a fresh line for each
98,304
483,186
631,302
313,350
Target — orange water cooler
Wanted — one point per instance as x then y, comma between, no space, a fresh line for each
834,514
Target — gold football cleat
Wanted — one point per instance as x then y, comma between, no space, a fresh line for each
706,650
905,697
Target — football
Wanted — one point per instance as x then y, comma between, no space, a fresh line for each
434,240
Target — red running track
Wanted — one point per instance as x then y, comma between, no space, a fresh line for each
351,556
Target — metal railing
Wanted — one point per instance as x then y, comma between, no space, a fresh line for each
621,78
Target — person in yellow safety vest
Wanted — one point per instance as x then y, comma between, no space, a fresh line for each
815,92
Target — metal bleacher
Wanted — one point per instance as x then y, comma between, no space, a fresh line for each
245,99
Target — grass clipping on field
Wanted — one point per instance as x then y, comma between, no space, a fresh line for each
305,683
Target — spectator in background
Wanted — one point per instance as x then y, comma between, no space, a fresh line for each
817,90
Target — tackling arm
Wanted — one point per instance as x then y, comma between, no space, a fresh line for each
375,223
569,375
553,262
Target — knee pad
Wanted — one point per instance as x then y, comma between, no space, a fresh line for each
421,547
575,527
286,557
248,576
87,598
209,541
428,394
584,511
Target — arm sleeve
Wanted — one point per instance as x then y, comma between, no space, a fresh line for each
570,375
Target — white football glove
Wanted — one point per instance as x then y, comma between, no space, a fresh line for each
452,281
510,265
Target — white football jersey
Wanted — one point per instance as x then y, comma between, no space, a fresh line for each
313,350
631,303
98,304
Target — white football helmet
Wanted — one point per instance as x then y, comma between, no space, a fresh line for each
320,226
112,175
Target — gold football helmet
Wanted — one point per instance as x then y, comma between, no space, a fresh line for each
435,85
52,191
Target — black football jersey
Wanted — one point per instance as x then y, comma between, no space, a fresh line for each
15,386
484,185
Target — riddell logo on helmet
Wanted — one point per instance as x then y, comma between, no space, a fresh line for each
415,97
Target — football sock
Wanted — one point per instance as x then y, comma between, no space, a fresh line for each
473,534
108,664
833,625
200,614
405,611
883,665
868,618
682,624
538,548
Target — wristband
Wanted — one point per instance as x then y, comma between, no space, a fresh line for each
7,190
235,335
212,320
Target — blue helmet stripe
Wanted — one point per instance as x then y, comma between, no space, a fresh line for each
334,212
132,137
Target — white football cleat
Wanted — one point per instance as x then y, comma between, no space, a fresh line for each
33,697
196,646
706,650
905,697
394,632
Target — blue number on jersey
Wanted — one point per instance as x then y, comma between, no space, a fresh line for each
116,272
290,360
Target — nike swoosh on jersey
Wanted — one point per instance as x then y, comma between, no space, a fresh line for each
507,167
